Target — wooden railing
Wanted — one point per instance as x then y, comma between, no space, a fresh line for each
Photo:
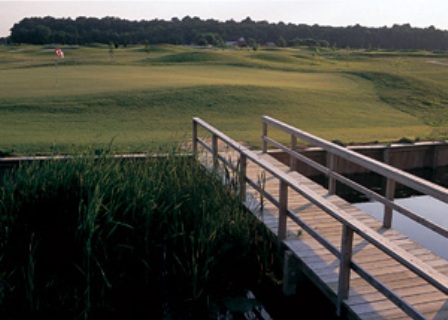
350,225
391,174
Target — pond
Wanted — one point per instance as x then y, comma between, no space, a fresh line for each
428,207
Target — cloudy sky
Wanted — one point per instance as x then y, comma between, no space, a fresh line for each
377,13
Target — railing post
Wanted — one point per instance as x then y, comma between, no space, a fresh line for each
195,137
283,209
242,176
293,160
435,156
331,179
215,151
264,143
390,195
344,266
291,273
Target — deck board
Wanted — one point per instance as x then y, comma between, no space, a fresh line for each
364,302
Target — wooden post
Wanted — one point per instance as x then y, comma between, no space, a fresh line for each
386,154
344,267
435,161
331,179
293,160
390,195
265,134
242,176
435,156
283,209
291,274
195,138
215,151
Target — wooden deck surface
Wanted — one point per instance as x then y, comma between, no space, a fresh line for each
322,267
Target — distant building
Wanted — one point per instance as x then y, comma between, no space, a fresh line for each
231,43
242,42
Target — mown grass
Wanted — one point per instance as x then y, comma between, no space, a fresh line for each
414,96
96,237
89,97
137,121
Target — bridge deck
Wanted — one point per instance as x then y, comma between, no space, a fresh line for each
322,267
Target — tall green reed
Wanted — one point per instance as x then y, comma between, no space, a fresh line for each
96,236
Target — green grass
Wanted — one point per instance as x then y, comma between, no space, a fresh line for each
89,98
95,238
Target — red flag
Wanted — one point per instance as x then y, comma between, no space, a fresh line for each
58,52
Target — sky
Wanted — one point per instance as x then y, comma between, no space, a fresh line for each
377,13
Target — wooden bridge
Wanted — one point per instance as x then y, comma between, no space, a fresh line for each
366,268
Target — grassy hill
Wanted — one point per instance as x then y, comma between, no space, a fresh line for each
93,96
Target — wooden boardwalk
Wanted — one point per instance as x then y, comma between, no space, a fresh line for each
322,267
377,285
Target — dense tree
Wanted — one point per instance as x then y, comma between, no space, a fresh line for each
281,42
193,30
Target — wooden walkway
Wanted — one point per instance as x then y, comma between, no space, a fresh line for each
376,285
323,267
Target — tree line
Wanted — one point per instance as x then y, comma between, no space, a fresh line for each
193,30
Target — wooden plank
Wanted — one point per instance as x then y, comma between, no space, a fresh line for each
325,214
437,310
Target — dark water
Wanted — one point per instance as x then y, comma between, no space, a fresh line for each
426,206
377,183
308,303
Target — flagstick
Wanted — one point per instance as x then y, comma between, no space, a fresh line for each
59,54
56,71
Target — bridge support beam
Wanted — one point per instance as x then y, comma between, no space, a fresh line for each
291,274
345,266
215,152
293,160
195,138
390,195
283,211
331,163
242,176
265,134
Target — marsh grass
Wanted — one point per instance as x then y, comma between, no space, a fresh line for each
95,237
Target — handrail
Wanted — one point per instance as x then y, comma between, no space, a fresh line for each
350,224
392,174
400,176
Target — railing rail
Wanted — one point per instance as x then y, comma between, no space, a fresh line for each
391,174
350,225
